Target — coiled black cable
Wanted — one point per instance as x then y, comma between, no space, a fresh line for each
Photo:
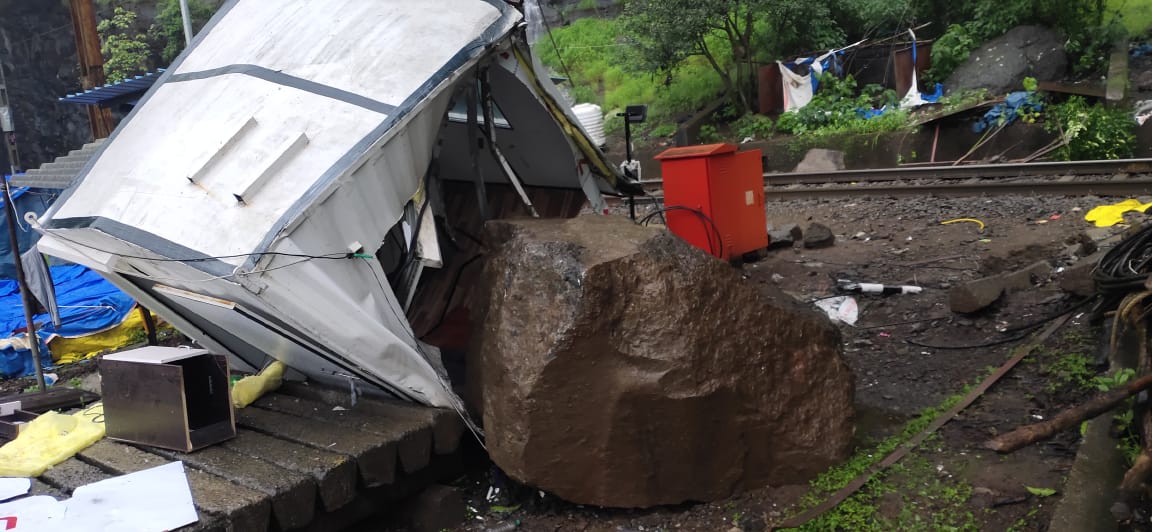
1124,268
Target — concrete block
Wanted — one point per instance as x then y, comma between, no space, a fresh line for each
976,295
334,473
436,508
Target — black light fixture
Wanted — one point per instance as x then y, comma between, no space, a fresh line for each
633,114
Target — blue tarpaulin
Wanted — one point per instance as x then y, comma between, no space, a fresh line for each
26,200
1007,112
88,304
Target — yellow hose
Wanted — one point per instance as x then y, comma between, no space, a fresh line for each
972,220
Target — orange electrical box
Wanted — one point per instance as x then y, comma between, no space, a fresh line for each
714,196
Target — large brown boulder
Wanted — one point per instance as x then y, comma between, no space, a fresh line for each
621,367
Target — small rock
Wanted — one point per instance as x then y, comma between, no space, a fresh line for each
818,236
861,235
861,342
780,239
1144,81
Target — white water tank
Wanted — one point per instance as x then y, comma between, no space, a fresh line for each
592,120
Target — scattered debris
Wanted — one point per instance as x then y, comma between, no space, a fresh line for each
49,440
1105,402
976,295
1109,215
14,487
252,387
842,309
818,236
154,499
980,224
845,285
619,403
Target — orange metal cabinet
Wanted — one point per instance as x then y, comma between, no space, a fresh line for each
715,198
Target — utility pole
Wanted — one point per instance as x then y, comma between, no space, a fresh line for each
187,17
91,63
8,126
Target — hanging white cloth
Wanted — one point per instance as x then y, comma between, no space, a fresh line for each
912,98
798,89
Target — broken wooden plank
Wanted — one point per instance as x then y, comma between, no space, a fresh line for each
413,437
293,495
220,501
447,426
375,458
1095,90
334,473
52,399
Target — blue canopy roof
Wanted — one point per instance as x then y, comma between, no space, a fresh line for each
114,91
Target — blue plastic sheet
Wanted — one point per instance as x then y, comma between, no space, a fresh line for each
18,362
26,200
1007,112
88,304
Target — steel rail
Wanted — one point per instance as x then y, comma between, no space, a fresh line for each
1046,168
1119,187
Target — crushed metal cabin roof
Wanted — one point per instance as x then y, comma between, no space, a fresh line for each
60,173
113,91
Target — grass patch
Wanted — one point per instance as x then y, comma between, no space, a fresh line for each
928,498
598,60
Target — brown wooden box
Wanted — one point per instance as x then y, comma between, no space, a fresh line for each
167,397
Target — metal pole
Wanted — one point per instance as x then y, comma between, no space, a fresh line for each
25,295
7,124
187,22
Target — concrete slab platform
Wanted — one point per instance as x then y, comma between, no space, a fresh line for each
217,499
333,473
413,437
296,464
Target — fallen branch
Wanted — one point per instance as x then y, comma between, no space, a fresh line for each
1029,434
855,484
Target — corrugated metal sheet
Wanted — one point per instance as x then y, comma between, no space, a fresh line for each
60,173
113,91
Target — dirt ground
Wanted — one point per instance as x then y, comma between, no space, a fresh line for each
949,483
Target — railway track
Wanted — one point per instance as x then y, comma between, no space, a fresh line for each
1105,178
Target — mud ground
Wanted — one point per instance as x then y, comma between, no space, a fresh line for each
949,482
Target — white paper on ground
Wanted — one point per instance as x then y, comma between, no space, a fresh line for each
840,308
32,514
14,487
152,500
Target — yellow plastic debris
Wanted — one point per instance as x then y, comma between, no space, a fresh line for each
1109,215
50,439
130,331
971,220
252,387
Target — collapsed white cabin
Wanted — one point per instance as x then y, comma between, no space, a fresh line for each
286,185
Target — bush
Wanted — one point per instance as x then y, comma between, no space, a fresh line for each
753,125
837,108
1092,132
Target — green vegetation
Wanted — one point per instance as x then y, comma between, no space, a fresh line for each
927,500
835,109
1091,131
598,62
732,36
130,47
125,50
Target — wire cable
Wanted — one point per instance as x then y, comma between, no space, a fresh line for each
715,248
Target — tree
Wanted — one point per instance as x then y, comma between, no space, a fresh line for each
731,35
169,26
125,53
